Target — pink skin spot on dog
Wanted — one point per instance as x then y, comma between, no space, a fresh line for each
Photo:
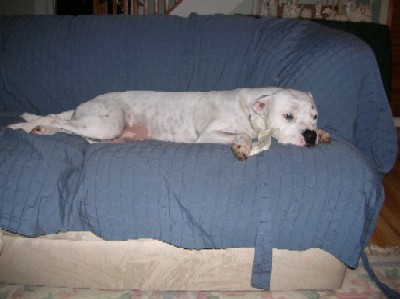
301,141
136,132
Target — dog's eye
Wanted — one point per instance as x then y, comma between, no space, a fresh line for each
315,116
288,116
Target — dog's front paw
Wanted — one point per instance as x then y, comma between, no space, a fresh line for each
241,147
323,137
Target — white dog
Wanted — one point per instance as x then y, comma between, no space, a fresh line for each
234,117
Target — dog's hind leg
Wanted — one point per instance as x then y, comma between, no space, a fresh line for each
88,127
66,115
33,120
30,117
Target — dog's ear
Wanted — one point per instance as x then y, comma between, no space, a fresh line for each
258,111
260,105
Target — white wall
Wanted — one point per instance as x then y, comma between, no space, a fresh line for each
207,7
245,8
44,7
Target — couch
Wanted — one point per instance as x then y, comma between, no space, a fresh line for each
160,215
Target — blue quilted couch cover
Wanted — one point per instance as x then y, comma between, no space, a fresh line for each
194,195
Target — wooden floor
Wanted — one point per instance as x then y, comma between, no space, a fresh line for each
387,230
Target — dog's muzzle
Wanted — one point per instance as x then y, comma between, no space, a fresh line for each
310,137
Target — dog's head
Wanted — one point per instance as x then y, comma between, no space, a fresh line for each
292,113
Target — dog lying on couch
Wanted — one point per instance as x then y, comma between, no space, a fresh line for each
234,117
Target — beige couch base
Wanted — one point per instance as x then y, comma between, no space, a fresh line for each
81,260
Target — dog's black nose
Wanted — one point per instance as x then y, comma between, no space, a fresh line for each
310,137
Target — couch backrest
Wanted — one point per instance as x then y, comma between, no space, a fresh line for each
50,64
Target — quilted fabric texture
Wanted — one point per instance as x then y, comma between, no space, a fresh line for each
194,195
